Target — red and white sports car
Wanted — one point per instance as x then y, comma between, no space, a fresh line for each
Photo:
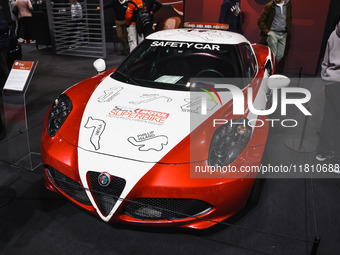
127,143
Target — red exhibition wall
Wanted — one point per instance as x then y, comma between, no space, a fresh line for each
309,19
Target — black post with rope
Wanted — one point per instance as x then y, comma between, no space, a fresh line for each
315,245
300,144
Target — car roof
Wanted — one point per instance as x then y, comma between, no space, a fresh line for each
198,36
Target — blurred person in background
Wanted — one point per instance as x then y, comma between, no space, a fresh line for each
74,36
134,37
15,21
152,6
76,11
230,13
329,140
119,8
25,9
275,23
4,45
138,31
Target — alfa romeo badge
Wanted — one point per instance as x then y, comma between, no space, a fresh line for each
104,179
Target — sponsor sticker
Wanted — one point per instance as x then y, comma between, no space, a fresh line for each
143,115
186,45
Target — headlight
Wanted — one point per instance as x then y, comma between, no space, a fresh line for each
60,109
228,141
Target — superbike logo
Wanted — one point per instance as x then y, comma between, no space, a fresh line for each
138,114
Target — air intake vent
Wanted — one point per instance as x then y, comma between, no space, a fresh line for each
166,208
106,197
69,186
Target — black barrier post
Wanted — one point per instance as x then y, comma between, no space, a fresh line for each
315,245
300,145
300,74
303,131
2,128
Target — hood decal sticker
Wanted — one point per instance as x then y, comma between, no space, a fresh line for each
141,115
109,94
194,105
125,111
149,141
150,98
98,127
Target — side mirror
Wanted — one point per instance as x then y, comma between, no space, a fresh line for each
100,65
277,81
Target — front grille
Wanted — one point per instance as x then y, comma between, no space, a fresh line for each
69,186
166,208
106,197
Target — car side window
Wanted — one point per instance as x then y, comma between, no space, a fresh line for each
248,60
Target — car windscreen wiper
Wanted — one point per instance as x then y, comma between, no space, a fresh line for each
128,78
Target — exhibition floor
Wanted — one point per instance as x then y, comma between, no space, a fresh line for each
287,218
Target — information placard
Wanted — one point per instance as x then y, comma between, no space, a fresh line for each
19,76
18,151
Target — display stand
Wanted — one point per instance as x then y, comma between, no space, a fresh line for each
14,101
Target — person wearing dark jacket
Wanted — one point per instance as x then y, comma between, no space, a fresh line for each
230,14
4,45
329,140
275,23
119,8
134,36
152,6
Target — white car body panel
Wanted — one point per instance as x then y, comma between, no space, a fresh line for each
137,153
197,36
129,161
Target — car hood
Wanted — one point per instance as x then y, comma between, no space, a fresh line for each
140,123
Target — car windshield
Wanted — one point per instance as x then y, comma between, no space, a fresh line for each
171,65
